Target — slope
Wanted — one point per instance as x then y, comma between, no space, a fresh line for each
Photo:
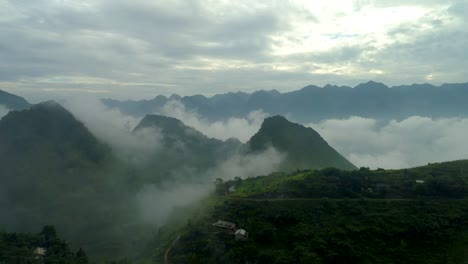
413,221
13,102
55,172
183,148
305,148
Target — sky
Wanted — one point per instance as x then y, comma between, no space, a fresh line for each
138,49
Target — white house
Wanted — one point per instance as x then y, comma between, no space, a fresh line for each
241,234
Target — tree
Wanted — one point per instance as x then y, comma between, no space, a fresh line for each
49,234
81,257
220,186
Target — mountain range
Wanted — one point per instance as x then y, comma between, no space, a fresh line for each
313,103
55,171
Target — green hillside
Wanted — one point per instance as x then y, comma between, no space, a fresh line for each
55,172
182,148
305,148
44,247
328,216
434,180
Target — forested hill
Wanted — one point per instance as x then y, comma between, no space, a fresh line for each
313,103
44,247
329,216
304,147
438,180
55,172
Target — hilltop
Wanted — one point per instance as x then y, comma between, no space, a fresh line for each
305,148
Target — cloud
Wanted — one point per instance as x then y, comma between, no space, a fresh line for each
3,111
414,141
186,186
241,128
249,165
157,203
115,129
137,49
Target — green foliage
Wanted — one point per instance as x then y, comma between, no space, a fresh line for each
330,231
337,216
304,147
43,248
444,180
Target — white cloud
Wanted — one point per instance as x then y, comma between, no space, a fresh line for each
114,128
156,203
241,128
395,144
249,165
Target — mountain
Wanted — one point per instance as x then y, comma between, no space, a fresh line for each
53,171
12,101
305,148
183,147
313,103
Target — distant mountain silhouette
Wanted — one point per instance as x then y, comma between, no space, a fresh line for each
304,147
13,102
312,103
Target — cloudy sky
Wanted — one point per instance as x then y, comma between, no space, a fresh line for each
137,49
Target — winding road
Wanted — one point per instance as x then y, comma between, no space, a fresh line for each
166,255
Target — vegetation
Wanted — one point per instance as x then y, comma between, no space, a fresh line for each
304,147
43,248
443,180
331,231
335,216
55,172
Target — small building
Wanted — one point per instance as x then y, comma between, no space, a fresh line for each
224,224
232,189
419,181
241,234
40,252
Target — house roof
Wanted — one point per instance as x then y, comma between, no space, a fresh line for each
224,224
240,232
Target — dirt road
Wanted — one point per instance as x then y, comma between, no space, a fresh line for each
166,255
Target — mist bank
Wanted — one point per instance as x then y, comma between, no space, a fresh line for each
3,111
393,144
368,142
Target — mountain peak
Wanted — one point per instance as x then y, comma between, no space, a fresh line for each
304,146
47,125
371,85
170,127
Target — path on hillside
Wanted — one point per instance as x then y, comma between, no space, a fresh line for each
166,255
330,199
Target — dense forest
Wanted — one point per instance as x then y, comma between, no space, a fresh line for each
334,216
45,247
